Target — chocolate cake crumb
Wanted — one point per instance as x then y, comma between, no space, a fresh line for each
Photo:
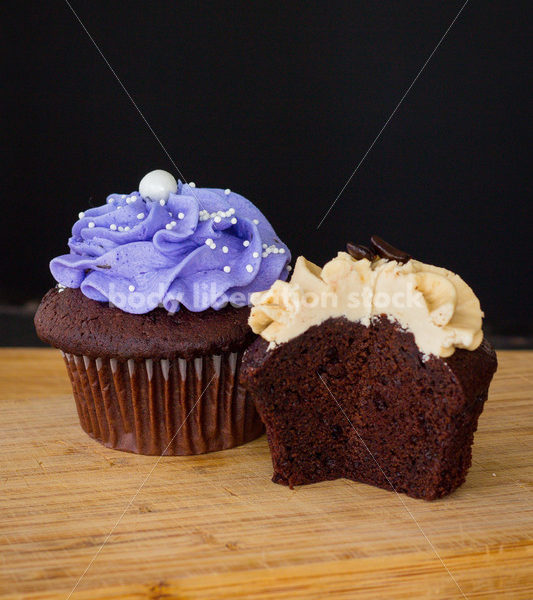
403,421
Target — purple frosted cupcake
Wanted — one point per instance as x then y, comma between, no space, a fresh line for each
151,312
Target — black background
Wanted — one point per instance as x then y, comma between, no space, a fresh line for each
279,101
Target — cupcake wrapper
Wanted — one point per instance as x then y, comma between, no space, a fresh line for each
164,407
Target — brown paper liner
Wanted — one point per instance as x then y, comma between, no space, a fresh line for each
164,407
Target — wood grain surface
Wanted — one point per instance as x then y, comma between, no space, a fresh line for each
78,520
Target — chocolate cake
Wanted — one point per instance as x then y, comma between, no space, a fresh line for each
342,386
157,383
78,325
364,398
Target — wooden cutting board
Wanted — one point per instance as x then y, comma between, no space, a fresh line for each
80,521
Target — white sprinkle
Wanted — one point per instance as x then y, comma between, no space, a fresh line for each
110,200
173,223
275,250
255,221
119,206
232,211
192,184
246,243
181,215
90,225
169,214
213,246
120,228
227,269
233,221
217,219
130,200
127,228
289,268
113,227
162,202
264,255
265,246
131,288
249,268
123,196
282,250
81,215
494,474
168,226
208,241
255,254
140,216
227,191
225,249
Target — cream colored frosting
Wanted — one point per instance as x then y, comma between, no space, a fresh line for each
436,305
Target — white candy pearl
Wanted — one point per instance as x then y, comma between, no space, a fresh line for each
157,185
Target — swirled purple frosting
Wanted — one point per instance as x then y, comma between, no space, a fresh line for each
200,248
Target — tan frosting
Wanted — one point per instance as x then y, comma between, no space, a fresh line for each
436,305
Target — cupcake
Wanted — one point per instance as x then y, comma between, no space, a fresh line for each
150,311
373,368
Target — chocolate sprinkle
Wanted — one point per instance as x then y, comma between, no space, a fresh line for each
386,250
358,251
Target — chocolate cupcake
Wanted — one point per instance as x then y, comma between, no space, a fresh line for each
151,311
373,368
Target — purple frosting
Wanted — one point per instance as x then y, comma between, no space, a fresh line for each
201,248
